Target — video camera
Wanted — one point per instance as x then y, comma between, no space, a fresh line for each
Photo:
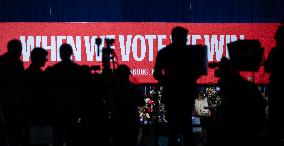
109,41
108,52
245,55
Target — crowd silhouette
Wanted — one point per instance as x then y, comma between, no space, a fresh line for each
78,107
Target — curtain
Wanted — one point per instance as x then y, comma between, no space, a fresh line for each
141,10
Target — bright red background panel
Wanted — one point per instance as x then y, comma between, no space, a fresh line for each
136,44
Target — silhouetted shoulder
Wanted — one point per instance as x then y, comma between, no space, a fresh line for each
164,50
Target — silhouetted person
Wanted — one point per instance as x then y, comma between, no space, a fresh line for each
273,65
95,121
243,107
176,70
64,81
35,91
126,99
11,72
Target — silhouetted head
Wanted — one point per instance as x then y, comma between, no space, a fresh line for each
65,52
39,57
279,36
179,35
123,72
14,48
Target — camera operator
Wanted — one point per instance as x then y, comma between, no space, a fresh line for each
98,103
127,97
243,107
